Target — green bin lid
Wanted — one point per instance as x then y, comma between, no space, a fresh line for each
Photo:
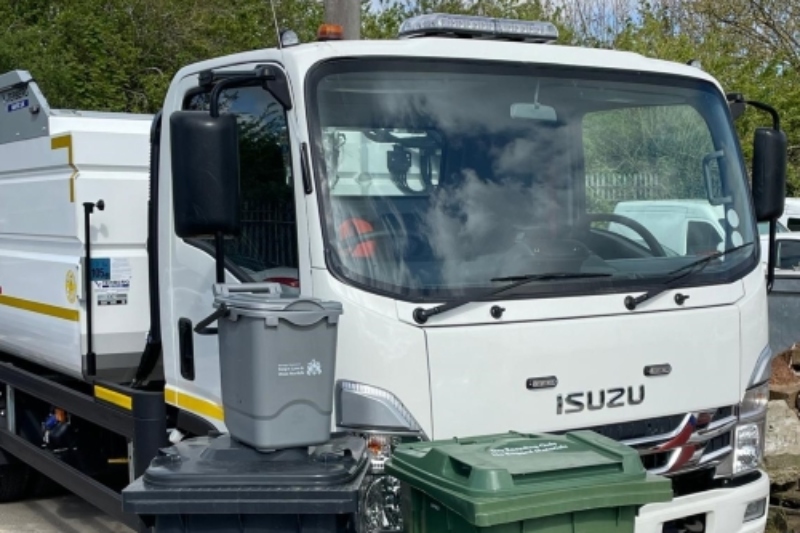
503,478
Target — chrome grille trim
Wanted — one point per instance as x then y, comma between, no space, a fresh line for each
635,443
716,456
712,432
686,447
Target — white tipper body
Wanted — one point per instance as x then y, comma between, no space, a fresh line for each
44,182
457,375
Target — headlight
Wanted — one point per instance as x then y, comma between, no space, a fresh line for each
384,421
750,433
749,448
380,505
380,494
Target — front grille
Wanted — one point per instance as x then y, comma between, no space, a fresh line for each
655,461
639,428
719,443
677,444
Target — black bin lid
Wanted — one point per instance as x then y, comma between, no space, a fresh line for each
203,474
215,461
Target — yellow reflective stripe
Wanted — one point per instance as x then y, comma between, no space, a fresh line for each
40,308
171,397
194,404
113,397
59,143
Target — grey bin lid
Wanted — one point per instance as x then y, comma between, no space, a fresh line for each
263,300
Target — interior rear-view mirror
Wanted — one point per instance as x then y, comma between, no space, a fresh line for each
534,111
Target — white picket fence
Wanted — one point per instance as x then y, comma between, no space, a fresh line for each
618,187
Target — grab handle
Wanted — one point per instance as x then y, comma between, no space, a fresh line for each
708,180
222,289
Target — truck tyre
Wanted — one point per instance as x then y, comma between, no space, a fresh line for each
14,482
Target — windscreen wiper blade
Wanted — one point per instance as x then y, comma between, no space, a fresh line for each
680,274
421,315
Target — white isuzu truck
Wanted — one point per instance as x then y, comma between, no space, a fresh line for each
437,185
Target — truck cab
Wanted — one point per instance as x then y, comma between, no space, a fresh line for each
457,189
440,189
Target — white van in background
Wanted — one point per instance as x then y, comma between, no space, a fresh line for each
687,227
791,214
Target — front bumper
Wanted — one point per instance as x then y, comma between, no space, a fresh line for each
724,509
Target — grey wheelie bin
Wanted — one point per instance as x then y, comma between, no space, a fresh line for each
277,363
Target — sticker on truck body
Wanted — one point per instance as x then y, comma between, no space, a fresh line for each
112,292
16,106
71,286
111,280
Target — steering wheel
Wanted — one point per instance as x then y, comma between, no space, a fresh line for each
648,237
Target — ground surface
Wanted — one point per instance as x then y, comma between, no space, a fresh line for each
783,521
61,514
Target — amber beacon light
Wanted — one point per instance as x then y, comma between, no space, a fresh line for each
330,32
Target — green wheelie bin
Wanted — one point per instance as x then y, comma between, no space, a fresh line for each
580,482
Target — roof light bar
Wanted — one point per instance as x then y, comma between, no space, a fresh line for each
440,24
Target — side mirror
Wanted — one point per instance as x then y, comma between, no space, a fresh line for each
769,173
205,174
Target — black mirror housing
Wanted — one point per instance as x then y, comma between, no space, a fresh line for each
205,174
737,109
769,173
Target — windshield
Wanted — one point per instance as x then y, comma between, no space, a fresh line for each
436,177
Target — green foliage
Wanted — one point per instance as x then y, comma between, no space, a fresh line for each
695,31
121,55
666,141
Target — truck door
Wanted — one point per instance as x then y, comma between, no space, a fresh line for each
266,250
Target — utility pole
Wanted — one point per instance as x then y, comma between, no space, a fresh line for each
347,14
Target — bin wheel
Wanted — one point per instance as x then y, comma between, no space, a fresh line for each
14,482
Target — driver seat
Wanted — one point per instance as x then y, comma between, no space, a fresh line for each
358,226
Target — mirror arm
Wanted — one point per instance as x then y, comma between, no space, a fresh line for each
771,257
219,238
262,76
215,93
208,78
738,98
776,120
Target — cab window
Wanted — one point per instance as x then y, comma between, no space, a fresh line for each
266,250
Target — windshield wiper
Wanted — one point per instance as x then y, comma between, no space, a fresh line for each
679,274
421,315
